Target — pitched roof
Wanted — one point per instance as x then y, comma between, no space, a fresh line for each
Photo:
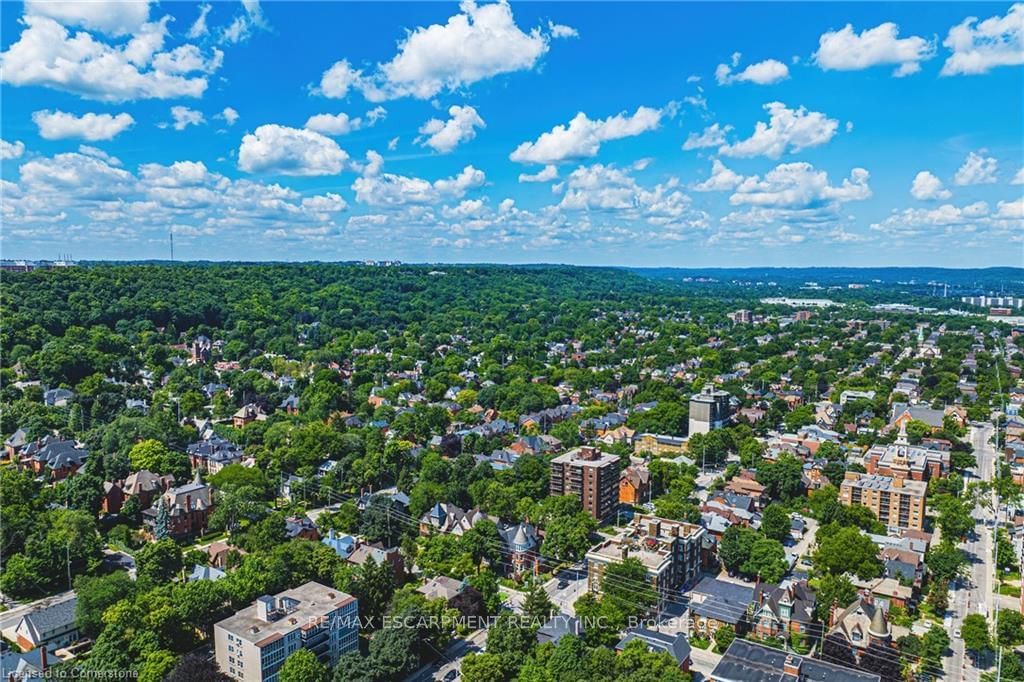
675,645
751,662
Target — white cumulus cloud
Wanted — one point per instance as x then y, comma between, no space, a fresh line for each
582,138
11,150
977,170
58,125
762,73
927,186
282,150
46,54
787,130
444,136
846,50
480,42
112,17
980,47
722,179
546,174
711,136
376,188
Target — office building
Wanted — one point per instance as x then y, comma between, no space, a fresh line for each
591,476
253,644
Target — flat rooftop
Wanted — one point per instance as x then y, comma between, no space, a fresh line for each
309,603
887,483
580,457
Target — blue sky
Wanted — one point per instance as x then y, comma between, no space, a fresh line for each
684,134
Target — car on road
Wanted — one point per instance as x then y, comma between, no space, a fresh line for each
563,583
956,633
451,676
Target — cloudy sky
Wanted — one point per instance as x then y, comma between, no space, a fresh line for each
659,134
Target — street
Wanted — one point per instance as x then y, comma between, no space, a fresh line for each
974,592
564,597
451,660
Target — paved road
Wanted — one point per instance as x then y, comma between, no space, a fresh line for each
976,595
452,658
563,598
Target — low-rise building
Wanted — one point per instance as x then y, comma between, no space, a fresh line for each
675,645
716,603
658,444
672,552
51,624
253,644
753,662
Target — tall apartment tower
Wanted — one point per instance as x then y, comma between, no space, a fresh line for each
709,410
591,476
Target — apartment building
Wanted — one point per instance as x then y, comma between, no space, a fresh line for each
896,502
253,644
672,552
591,476
709,410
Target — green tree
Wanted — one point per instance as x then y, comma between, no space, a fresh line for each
767,560
154,456
537,604
159,562
775,523
945,560
724,636
737,543
511,639
303,666
96,595
1011,628
626,588
834,590
484,667
782,479
846,549
975,634
955,520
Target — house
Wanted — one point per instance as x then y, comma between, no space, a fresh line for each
753,662
379,554
902,413
343,545
886,592
14,443
746,484
443,587
51,624
200,572
17,667
187,509
61,457
861,625
448,518
520,542
213,453
783,610
58,397
557,627
635,484
247,414
290,405
300,527
143,485
716,603
219,554
675,645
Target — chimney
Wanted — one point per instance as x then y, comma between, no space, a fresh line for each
792,666
654,528
188,503
624,551
43,665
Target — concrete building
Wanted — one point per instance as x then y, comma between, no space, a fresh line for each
896,502
709,410
672,552
253,644
591,476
